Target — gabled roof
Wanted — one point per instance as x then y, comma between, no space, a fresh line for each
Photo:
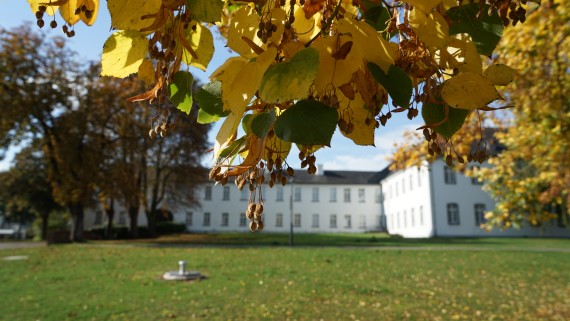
338,177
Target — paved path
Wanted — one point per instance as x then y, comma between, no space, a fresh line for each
20,245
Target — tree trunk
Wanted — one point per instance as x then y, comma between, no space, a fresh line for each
134,221
77,217
45,221
151,219
110,212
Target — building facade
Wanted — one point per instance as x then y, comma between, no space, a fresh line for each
430,201
436,201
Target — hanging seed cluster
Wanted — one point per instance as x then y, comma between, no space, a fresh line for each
254,180
308,160
435,143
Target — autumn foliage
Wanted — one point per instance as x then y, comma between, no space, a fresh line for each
305,68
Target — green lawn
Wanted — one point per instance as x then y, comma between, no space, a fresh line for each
359,239
105,281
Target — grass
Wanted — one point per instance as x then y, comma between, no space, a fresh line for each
116,282
360,239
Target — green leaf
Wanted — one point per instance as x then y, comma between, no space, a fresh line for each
434,113
262,123
209,98
308,122
181,91
235,147
205,10
396,82
246,123
290,80
377,17
205,118
485,31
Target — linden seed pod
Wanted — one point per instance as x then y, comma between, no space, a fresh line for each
253,226
249,215
152,134
259,209
260,226
271,184
290,171
283,181
257,216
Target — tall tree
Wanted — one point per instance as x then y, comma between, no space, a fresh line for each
531,179
25,187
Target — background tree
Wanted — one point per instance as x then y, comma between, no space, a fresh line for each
25,187
530,180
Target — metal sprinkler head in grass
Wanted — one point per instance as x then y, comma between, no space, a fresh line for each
181,274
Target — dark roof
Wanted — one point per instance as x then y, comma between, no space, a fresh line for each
338,177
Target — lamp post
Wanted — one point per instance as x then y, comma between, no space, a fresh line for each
292,182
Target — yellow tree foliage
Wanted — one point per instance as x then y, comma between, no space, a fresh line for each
305,68
531,179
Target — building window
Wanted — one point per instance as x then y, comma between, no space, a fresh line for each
411,182
208,193
398,220
452,214
122,218
333,195
403,186
225,219
206,219
347,195
412,218
315,220
421,215
405,219
348,221
361,195
449,175
244,194
333,220
297,220
378,195
189,218
226,196
396,189
297,194
98,218
362,221
315,194
480,214
279,197
242,219
279,220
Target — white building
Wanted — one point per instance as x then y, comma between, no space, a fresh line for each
432,201
334,201
436,201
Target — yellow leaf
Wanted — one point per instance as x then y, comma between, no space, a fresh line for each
305,28
226,74
279,148
432,29
34,4
67,11
126,14
461,53
469,91
93,7
247,82
244,24
123,53
368,41
335,72
201,40
355,112
227,133
423,5
278,17
499,74
146,72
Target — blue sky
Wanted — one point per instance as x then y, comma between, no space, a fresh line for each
88,42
